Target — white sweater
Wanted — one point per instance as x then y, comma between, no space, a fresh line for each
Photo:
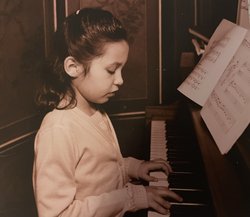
79,170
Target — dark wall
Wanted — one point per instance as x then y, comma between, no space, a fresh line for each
22,51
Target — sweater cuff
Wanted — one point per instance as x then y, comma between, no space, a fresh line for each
138,197
132,166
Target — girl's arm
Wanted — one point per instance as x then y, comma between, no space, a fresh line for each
132,166
114,203
55,188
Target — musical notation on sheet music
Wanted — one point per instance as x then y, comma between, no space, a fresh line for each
226,112
222,46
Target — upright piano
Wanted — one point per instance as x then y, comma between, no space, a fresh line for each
220,184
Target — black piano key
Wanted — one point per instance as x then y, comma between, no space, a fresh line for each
195,196
178,157
190,210
176,133
181,155
181,145
181,140
186,180
184,166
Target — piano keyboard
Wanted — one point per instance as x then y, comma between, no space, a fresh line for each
178,148
158,149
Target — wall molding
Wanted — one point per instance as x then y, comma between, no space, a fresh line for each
19,130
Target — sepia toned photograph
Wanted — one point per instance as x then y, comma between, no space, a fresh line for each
125,108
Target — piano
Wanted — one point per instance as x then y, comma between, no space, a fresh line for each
212,185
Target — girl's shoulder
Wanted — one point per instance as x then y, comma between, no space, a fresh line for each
57,118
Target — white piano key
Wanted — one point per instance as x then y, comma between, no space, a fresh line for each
155,214
158,149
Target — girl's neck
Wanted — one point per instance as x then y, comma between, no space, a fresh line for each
87,109
85,106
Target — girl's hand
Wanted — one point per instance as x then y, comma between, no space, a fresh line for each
154,165
158,198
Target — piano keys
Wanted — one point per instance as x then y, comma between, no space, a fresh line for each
174,141
210,183
158,150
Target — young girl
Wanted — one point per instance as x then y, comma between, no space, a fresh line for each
78,168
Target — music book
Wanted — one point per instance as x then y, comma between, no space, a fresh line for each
220,83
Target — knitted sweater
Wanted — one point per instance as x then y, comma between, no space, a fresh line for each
79,170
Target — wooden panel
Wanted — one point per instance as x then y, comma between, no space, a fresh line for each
19,129
178,16
211,12
22,53
16,198
71,6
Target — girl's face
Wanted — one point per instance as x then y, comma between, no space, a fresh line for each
104,76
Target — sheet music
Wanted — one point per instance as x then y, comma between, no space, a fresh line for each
220,50
243,13
227,110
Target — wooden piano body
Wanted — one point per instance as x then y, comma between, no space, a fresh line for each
228,176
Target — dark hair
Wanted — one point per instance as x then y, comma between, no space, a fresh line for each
82,35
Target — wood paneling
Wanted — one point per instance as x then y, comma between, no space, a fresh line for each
16,198
22,52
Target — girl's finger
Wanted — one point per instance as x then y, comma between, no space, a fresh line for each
158,208
168,194
160,166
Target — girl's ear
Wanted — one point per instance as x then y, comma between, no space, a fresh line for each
72,67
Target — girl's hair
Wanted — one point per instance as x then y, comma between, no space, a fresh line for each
82,35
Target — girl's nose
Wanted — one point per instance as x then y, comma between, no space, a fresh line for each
118,78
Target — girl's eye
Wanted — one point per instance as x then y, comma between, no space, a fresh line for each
111,71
